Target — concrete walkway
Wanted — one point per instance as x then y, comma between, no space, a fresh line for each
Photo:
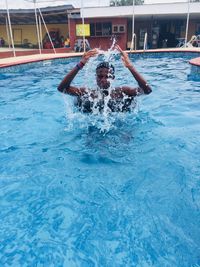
12,61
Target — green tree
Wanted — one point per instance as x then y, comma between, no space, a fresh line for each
125,2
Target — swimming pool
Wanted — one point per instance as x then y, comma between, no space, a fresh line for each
76,190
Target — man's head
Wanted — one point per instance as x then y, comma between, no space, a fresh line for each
104,72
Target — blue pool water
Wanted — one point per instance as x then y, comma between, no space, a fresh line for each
79,190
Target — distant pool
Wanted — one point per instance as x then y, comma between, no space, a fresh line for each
73,194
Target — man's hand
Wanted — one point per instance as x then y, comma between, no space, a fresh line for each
124,57
87,55
138,77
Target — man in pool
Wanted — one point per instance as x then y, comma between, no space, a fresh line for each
117,99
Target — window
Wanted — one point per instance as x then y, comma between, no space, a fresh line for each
121,28
115,28
98,29
118,28
92,29
101,29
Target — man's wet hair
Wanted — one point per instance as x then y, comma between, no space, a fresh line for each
106,65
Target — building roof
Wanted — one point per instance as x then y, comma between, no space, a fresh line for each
60,14
56,14
178,10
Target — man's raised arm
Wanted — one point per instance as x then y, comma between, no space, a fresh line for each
138,77
65,85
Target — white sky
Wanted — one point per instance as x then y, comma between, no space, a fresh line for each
15,4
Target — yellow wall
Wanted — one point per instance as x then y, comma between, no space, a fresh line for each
29,32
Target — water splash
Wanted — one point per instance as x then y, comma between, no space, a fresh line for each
101,116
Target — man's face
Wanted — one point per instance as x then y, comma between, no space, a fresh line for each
102,77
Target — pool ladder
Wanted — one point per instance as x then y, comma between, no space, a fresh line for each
133,42
145,42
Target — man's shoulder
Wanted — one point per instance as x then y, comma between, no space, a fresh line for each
130,91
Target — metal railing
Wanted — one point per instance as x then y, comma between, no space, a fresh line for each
193,42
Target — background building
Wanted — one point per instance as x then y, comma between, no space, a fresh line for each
165,24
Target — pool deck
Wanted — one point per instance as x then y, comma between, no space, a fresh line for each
24,56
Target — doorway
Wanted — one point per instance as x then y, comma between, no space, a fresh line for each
17,36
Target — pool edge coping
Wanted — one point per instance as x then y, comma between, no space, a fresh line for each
20,60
